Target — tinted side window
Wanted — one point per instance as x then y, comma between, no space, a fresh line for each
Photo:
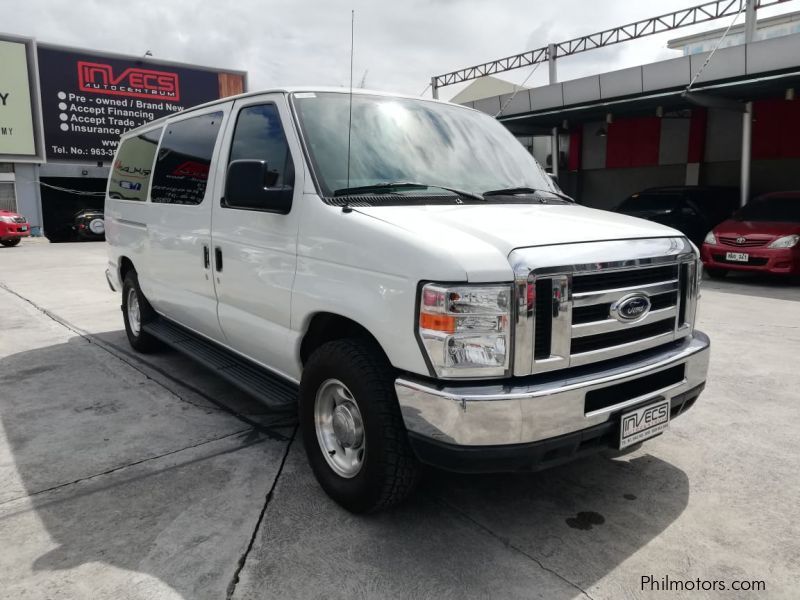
184,160
259,135
690,208
130,175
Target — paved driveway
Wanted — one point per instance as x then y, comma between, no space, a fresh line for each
123,476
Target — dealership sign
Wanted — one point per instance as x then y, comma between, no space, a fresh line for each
89,100
99,78
19,139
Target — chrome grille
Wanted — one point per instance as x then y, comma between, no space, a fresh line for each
565,315
747,243
604,289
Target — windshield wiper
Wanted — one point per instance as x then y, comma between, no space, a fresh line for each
514,191
387,186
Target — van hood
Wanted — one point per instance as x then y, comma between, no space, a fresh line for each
510,226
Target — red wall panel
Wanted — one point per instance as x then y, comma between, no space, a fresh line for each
633,142
575,143
776,129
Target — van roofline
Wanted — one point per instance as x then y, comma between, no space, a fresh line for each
282,90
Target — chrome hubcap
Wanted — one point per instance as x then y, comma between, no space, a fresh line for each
97,226
134,314
339,427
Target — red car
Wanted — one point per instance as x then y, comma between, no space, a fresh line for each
13,228
763,236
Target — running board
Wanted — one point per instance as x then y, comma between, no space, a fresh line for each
275,392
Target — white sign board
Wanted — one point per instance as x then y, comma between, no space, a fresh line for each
18,102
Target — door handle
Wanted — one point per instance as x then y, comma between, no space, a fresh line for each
218,258
206,258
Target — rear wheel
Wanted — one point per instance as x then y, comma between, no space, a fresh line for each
716,273
10,243
136,311
97,226
353,432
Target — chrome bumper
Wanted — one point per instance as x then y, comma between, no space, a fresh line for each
489,414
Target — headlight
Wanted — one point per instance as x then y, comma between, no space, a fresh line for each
710,239
787,241
698,275
465,329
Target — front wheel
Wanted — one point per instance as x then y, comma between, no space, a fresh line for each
352,428
10,243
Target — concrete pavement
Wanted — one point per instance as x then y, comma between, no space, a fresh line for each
125,476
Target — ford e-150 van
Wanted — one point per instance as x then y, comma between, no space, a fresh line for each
405,275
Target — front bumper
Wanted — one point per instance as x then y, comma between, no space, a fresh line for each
14,231
778,261
473,426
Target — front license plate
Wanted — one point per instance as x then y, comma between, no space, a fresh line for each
737,256
24,228
643,423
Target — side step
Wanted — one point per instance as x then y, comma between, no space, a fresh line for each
275,392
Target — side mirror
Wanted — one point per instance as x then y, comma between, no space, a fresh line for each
250,184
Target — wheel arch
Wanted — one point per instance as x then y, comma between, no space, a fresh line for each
125,267
326,327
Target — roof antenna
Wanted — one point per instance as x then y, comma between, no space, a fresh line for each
346,208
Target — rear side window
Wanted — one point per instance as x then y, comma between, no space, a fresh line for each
649,201
716,204
133,167
184,160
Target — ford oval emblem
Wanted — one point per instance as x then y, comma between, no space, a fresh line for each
632,307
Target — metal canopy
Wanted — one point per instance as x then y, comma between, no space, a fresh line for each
639,29
731,95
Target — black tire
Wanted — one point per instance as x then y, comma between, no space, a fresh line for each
140,341
716,273
60,238
10,243
390,470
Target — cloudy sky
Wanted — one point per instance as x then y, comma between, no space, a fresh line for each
399,44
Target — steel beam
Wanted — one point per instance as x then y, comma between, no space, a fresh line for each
747,149
551,63
554,153
701,13
750,21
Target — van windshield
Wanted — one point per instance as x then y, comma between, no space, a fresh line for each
401,139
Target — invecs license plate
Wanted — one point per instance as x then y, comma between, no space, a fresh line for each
24,228
737,256
643,423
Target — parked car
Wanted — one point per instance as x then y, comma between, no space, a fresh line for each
413,285
89,225
764,235
13,227
692,210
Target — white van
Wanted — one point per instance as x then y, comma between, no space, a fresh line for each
414,283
